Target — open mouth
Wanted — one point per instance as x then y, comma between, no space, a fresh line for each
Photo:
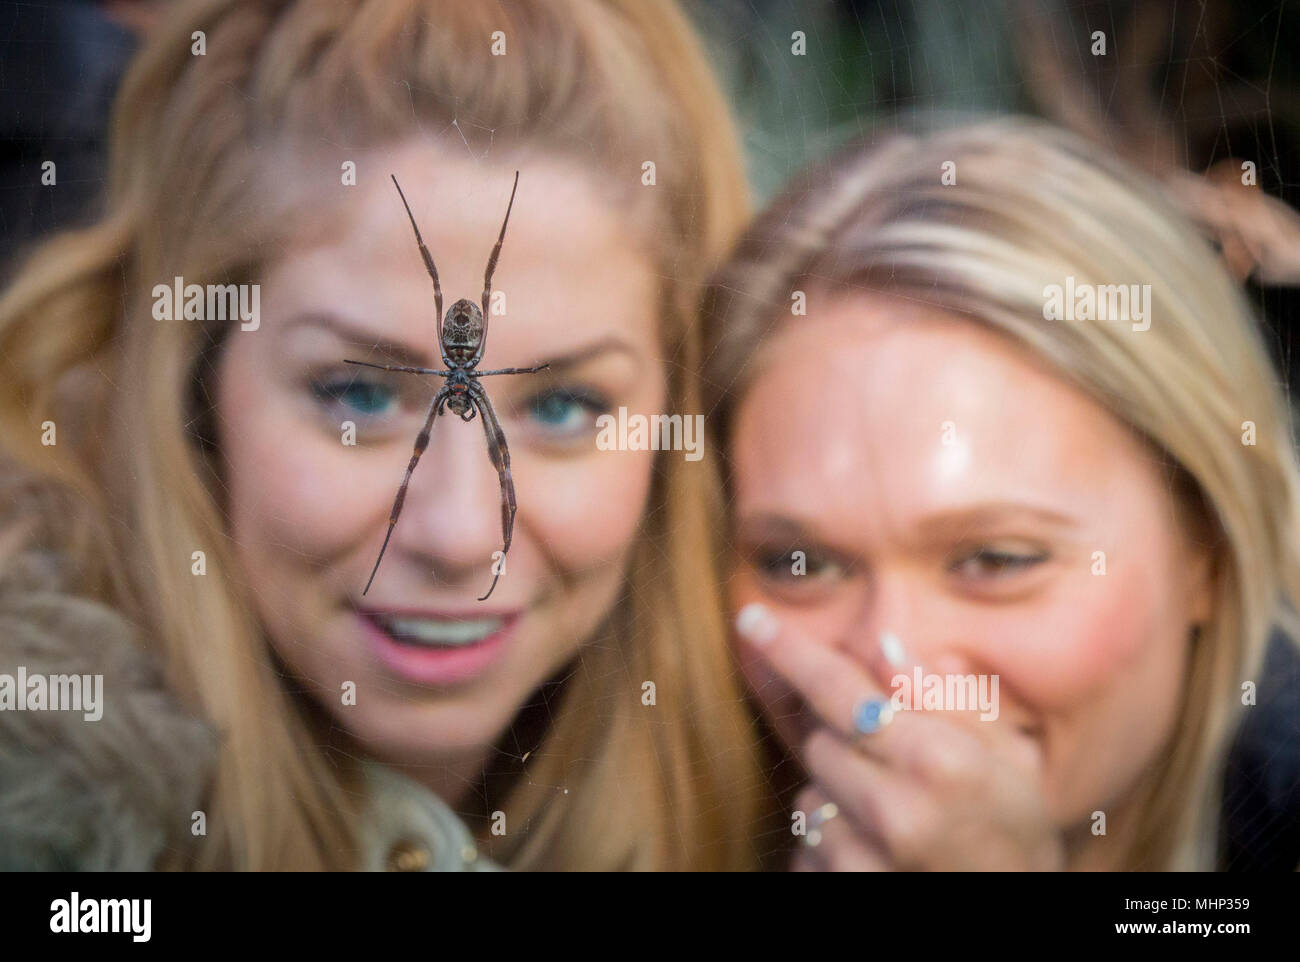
437,648
436,632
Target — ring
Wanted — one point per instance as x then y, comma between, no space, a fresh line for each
819,817
872,714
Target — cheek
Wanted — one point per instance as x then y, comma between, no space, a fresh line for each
289,485
1099,665
1094,638
1102,638
1110,694
586,510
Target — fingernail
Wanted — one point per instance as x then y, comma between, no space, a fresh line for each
756,623
892,648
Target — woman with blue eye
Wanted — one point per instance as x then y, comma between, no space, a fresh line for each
564,411
1091,521
247,476
362,397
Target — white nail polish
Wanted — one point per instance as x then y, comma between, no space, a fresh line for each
892,648
756,623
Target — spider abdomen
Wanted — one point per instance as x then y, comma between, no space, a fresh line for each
462,330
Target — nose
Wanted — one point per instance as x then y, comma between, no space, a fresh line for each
451,521
903,621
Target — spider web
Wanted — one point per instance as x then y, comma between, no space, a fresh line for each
1226,87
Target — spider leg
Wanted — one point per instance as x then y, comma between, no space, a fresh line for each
500,454
421,442
428,265
487,275
408,370
514,370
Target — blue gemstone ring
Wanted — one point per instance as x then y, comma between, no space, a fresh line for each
872,714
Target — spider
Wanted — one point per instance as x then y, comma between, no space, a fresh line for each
462,338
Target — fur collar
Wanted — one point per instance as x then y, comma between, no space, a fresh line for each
117,793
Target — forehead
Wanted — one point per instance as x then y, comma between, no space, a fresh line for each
889,411
567,255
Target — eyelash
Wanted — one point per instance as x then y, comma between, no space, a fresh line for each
1005,563
779,565
330,394
593,402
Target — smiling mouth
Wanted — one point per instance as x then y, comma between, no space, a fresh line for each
431,632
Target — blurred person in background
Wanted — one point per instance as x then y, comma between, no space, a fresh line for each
1203,98
936,472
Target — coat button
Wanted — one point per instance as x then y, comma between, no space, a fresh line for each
408,855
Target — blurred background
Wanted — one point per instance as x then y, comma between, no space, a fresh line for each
1188,90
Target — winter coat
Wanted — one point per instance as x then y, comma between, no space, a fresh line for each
99,788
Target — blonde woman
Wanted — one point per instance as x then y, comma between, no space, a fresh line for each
1011,539
212,491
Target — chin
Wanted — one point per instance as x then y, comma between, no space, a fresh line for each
428,733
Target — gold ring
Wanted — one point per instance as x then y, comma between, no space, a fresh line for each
819,817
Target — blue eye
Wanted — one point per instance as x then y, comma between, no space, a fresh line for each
365,397
565,410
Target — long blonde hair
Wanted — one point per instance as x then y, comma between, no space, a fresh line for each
1024,206
132,486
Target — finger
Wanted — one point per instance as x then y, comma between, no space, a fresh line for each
909,676
978,710
893,809
832,684
919,816
832,842
947,757
835,687
803,861
846,848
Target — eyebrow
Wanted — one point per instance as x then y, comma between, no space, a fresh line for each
970,517
762,530
404,354
990,513
769,527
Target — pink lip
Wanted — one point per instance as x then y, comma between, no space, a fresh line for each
436,666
